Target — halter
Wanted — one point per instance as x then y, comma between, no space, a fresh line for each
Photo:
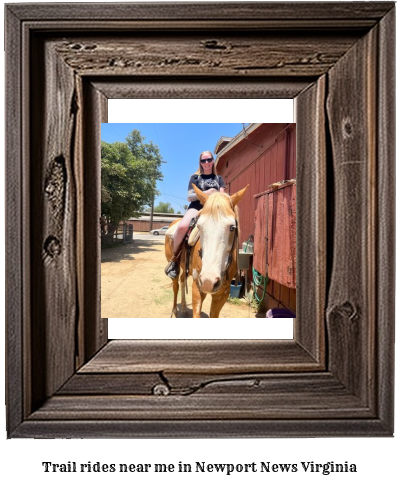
234,244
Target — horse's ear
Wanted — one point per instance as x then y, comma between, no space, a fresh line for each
237,197
201,196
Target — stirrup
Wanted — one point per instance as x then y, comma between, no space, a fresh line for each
172,269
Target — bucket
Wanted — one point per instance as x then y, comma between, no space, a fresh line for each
235,290
280,313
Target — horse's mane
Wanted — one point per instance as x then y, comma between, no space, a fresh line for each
217,205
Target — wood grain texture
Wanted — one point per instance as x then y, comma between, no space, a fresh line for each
351,308
53,237
385,224
95,329
213,55
66,61
15,257
185,384
173,88
249,428
203,407
200,356
112,384
311,218
359,14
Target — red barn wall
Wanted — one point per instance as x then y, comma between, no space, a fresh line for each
267,156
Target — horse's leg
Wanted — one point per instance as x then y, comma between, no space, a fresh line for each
175,293
198,299
183,293
218,301
175,282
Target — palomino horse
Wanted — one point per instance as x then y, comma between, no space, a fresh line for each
213,259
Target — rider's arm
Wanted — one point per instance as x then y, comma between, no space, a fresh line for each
191,196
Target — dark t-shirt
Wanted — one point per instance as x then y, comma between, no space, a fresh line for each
203,182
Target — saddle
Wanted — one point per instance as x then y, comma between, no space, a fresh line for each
193,233
191,239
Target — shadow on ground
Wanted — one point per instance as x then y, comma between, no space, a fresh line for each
127,251
189,313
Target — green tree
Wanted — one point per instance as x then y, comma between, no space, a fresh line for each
148,152
164,208
127,182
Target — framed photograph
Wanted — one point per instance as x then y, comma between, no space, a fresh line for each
254,156
65,378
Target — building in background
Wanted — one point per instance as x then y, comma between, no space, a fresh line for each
262,155
143,222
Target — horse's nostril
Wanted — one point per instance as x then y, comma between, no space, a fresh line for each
216,286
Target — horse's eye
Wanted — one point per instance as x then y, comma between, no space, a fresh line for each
232,228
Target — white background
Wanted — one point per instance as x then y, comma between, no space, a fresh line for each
376,458
191,111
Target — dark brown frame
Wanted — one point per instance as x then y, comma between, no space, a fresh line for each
336,377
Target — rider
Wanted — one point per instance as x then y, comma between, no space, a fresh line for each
207,180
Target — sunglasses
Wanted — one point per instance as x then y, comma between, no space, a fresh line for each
203,161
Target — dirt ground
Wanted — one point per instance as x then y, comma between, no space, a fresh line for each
133,285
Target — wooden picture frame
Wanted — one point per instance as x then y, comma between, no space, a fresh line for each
64,378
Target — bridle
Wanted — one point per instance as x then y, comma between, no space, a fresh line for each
234,244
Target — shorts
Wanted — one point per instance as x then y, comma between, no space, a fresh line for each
196,205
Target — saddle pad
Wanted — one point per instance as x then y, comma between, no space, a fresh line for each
171,230
194,236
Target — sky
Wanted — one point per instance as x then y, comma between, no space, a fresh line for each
180,145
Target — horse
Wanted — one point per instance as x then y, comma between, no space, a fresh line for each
213,258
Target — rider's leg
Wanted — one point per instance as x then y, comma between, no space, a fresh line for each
182,229
172,269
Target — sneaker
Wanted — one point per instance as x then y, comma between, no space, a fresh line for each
172,270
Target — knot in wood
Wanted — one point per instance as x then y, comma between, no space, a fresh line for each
213,44
52,246
347,128
90,47
161,390
348,310
50,188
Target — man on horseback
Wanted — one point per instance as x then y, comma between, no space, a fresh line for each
207,180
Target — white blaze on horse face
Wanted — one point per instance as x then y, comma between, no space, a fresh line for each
216,242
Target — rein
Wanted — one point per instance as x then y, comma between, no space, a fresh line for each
235,245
